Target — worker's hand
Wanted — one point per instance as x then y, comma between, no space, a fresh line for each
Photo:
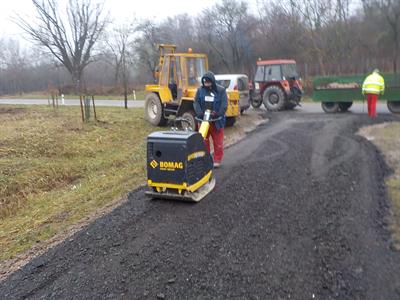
214,115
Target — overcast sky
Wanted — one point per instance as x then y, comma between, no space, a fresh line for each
119,10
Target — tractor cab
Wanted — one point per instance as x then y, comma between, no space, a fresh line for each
179,77
277,84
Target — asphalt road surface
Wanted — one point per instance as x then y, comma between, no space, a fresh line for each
299,212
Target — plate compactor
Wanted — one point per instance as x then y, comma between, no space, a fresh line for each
179,165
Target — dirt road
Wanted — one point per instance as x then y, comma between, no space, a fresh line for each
299,212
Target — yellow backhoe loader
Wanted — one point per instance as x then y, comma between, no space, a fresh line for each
179,76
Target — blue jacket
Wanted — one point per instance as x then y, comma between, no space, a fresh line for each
220,100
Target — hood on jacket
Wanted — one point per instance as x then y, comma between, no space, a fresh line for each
210,76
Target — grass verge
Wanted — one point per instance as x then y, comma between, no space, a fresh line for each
387,138
54,170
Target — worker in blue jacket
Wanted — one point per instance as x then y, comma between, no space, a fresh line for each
210,94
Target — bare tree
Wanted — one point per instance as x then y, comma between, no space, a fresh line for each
230,24
69,38
146,50
390,10
119,43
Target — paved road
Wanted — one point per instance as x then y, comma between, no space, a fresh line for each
299,212
73,102
306,107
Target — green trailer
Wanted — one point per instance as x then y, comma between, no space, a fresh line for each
337,93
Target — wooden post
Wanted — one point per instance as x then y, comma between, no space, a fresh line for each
83,116
94,109
57,101
52,99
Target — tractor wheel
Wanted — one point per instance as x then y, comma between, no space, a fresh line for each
394,107
344,106
154,111
191,121
230,121
330,107
274,98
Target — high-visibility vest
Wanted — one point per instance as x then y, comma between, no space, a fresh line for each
373,84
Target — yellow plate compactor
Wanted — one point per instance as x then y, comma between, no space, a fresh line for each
179,165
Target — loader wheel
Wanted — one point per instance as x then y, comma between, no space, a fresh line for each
394,107
274,98
230,121
344,106
330,107
191,124
154,111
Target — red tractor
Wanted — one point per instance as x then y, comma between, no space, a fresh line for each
276,84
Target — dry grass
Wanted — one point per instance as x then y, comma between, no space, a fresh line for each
387,138
55,171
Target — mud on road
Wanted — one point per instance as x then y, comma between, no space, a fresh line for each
299,212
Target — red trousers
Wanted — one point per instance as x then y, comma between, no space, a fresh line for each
217,136
372,99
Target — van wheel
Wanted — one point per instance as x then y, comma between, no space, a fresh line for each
154,111
230,121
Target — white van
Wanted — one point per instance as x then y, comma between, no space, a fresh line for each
238,82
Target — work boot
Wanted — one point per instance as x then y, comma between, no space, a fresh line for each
217,165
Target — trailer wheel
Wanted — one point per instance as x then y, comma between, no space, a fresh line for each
330,107
344,106
394,107
154,111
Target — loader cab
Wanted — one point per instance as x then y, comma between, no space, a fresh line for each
178,78
180,75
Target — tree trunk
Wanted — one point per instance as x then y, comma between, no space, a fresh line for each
125,90
76,79
126,95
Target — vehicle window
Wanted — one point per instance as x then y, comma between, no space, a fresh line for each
225,83
259,74
172,72
273,73
165,72
196,68
289,70
243,84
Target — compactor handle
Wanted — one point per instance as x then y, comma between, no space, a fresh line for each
210,120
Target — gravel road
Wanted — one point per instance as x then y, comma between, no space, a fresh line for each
299,212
